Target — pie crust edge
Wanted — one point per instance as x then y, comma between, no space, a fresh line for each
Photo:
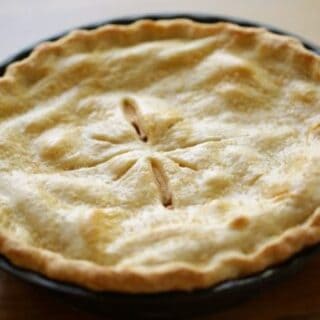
179,276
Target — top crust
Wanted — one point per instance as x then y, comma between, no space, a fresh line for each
158,156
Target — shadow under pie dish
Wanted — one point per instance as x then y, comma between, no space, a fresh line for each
159,156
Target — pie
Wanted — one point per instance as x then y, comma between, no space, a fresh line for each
159,156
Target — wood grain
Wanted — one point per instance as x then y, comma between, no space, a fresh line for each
296,298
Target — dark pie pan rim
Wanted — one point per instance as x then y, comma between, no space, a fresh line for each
169,304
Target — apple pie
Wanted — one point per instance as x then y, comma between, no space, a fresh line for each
160,155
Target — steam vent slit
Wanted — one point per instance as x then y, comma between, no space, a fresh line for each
131,113
162,183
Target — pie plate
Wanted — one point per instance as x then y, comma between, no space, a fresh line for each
171,304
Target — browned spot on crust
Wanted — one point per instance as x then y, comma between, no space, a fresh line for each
101,227
239,222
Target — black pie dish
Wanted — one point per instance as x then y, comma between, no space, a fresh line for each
171,304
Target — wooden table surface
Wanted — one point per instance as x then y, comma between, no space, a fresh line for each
25,22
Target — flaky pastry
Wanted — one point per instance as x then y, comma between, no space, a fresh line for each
158,156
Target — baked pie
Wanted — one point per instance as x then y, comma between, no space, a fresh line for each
158,156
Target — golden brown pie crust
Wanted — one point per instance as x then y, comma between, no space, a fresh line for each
159,156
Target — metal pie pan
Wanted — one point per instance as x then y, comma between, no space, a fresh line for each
171,304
